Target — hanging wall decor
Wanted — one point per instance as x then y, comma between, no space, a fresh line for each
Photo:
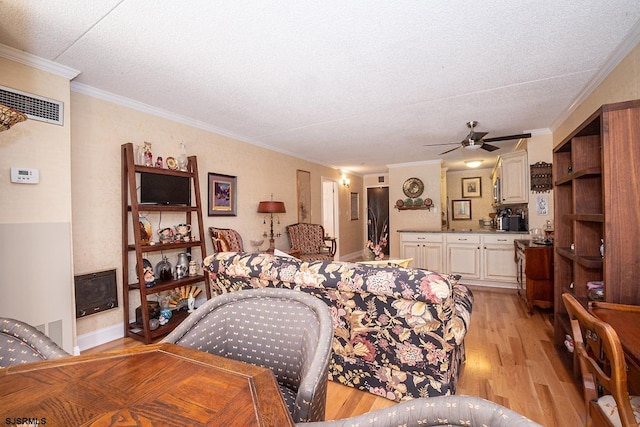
541,177
303,187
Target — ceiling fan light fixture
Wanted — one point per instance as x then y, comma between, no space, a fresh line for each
473,163
473,145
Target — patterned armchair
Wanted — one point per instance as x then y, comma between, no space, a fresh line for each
226,240
398,332
453,411
287,331
22,343
310,242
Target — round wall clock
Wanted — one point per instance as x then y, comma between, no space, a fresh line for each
413,187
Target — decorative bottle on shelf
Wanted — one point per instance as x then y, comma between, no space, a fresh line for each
602,248
148,155
191,303
164,269
182,158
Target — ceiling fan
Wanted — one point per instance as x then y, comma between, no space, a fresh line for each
476,140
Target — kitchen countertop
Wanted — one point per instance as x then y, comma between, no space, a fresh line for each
483,231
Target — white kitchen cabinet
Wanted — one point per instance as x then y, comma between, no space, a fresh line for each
463,255
426,249
514,178
498,257
486,259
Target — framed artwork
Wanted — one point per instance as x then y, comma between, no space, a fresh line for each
472,187
461,209
355,206
303,186
223,193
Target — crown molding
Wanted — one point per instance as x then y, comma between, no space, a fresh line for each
34,61
420,163
148,109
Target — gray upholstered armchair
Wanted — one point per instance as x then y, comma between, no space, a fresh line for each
453,411
22,343
299,325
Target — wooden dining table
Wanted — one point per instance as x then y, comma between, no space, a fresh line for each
625,320
158,384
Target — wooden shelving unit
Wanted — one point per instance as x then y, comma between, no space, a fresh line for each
597,177
133,248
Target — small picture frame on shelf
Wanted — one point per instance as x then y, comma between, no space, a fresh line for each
222,195
472,187
461,210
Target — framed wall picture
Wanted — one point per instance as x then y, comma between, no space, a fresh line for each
222,195
355,206
303,187
472,187
461,209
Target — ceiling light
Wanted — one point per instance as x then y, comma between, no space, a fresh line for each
473,145
473,163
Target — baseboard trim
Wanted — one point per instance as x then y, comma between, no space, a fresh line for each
101,336
354,256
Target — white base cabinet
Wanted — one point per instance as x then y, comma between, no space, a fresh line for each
426,249
498,260
486,259
463,255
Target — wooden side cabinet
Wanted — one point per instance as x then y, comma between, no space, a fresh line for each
534,266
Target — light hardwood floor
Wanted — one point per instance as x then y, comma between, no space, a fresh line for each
511,360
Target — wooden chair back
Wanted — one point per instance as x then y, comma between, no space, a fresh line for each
598,352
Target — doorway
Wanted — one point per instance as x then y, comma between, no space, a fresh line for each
378,215
330,209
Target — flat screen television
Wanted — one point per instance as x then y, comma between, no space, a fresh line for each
158,189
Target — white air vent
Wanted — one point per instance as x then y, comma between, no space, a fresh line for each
34,106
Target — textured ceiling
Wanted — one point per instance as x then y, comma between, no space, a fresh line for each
352,84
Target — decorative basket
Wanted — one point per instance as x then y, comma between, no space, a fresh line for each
9,117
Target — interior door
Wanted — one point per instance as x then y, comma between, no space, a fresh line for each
378,214
329,208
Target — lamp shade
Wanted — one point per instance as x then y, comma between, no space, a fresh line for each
271,207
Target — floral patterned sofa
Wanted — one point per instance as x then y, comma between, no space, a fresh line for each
399,332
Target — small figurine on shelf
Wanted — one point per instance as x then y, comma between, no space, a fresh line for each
191,303
182,158
148,156
159,163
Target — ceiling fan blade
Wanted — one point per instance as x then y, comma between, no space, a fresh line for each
477,136
438,145
489,147
508,137
448,151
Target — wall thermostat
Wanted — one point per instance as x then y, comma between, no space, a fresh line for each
25,175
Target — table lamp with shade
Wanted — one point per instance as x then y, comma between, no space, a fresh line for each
271,207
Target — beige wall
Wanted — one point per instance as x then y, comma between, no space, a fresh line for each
35,220
480,206
37,145
539,149
99,129
429,173
79,165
